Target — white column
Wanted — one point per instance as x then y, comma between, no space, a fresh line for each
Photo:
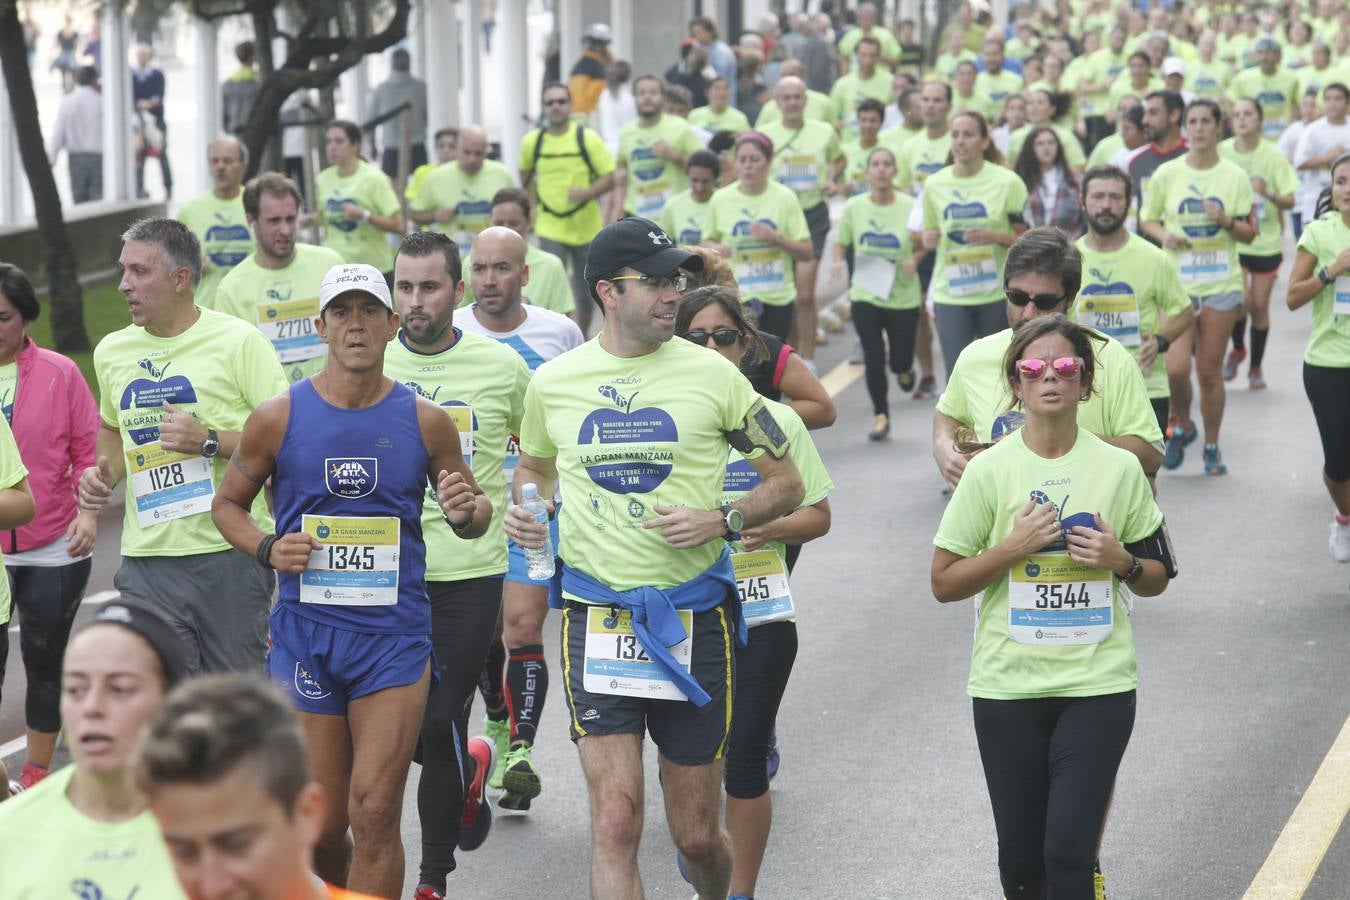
569,35
12,181
473,59
442,63
118,165
208,86
513,69
621,21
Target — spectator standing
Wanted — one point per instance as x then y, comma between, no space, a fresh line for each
587,80
79,131
240,90
616,107
720,56
147,94
399,88
689,71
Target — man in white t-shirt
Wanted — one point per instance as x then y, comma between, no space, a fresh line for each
1321,142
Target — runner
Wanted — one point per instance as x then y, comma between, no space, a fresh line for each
807,161
548,279
1275,86
1321,142
759,224
359,207
884,286
481,386
819,107
653,149
908,119
175,387
85,828
1041,276
447,151
1131,291
719,114
1164,114
223,765
565,166
351,633
1044,108
685,215
1198,208
972,212
1052,720
853,179
514,688
217,217
1273,184
55,425
277,287
1321,276
865,81
457,199
643,518
759,559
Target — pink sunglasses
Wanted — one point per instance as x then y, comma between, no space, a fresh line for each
1065,367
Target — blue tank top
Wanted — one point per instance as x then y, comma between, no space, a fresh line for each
354,479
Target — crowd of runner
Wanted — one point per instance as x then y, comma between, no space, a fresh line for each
1086,206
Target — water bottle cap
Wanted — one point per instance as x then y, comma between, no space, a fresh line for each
529,491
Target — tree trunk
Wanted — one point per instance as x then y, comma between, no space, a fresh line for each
67,303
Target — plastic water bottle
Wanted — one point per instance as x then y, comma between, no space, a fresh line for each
539,563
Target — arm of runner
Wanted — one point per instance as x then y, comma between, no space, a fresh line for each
520,525
97,481
778,493
1241,229
1101,547
1154,228
809,399
957,577
1305,283
950,463
798,527
16,504
182,432
463,503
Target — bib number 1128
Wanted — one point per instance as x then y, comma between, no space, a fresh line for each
162,477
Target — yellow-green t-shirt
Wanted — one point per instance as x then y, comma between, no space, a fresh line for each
730,119
354,240
12,471
1269,164
978,395
223,231
1278,94
1329,344
881,240
419,178
468,196
851,89
976,102
1314,79
481,385
1176,197
9,388
890,47
1093,478
898,136
65,853
1208,79
548,286
921,156
970,274
684,218
561,167
219,370
946,63
855,165
997,88
283,304
802,158
763,271
1122,293
628,435
1123,87
652,181
818,108
1106,150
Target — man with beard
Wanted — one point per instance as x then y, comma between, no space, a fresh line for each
1163,113
652,151
1131,291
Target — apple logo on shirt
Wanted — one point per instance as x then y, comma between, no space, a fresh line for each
963,209
150,394
224,230
630,454
336,217
1196,223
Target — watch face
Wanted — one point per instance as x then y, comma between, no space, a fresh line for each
735,519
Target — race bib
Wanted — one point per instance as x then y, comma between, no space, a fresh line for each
652,197
463,240
760,269
512,458
1206,260
357,564
1054,600
1113,314
1341,291
874,274
289,325
971,270
462,416
616,663
762,584
798,172
166,485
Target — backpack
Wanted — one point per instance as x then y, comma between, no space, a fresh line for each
534,167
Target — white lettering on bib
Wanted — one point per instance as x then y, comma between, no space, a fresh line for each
357,564
166,485
616,663
762,584
1054,600
759,269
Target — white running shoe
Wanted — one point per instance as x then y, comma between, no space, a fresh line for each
1340,542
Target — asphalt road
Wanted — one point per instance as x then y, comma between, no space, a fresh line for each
881,793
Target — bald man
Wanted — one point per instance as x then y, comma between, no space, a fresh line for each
818,105
217,217
457,199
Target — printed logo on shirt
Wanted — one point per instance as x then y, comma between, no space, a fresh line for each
351,477
742,226
629,455
142,401
1195,223
223,230
963,209
1006,424
274,295
336,217
1066,522
878,237
741,478
307,687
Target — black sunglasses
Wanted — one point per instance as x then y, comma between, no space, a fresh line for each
1044,302
723,337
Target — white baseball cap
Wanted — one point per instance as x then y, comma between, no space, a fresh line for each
353,277
1173,65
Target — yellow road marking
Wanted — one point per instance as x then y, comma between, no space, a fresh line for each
840,377
1299,849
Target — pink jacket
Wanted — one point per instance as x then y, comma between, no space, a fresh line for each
55,422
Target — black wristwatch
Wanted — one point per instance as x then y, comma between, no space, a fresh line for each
1324,276
1163,343
211,446
733,520
1136,570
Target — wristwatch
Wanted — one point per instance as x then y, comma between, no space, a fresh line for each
1323,275
733,520
1136,570
211,446
1163,343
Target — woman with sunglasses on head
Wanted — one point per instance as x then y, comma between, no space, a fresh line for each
712,316
884,286
1051,524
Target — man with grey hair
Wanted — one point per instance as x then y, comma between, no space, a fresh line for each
399,88
217,216
176,386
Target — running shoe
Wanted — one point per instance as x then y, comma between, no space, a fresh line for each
927,389
1214,464
1177,442
1255,380
855,356
499,732
427,892
476,820
521,778
1230,365
881,428
822,337
1098,882
907,381
1340,541
32,774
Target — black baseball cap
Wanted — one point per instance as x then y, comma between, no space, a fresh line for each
635,243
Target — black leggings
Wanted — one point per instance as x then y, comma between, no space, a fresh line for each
762,669
1050,765
777,320
47,598
1328,391
463,618
900,326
